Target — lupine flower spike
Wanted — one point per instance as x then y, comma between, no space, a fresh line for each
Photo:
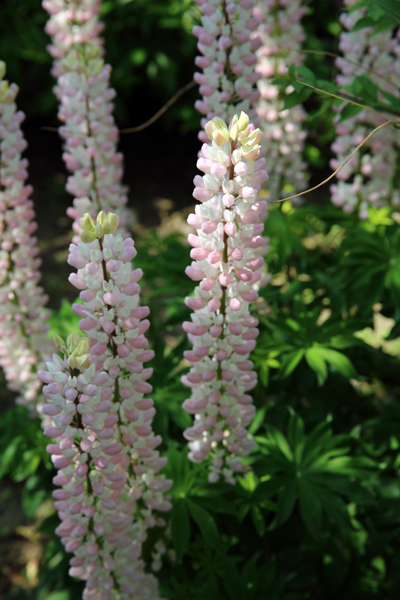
227,257
111,489
86,109
23,329
370,178
227,43
282,34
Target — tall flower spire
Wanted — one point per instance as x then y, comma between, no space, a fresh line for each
23,328
227,258
111,490
227,43
281,34
370,178
86,109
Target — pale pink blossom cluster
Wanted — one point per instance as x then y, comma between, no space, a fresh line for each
228,259
105,450
23,328
86,107
71,22
227,43
370,178
282,34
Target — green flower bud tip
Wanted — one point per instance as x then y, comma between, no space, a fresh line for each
86,237
73,341
59,342
2,69
106,227
243,122
251,153
87,223
113,219
100,217
71,361
99,230
83,347
217,131
83,362
253,139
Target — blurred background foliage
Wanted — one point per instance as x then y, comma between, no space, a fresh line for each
319,516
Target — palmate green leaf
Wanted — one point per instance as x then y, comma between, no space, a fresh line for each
290,362
280,441
180,527
335,509
310,507
285,504
64,321
349,111
369,264
205,523
341,342
258,520
339,362
392,99
317,363
296,434
212,500
22,445
363,22
297,97
180,470
258,420
344,485
317,475
300,335
325,456
352,466
268,488
307,74
384,24
363,87
319,436
391,7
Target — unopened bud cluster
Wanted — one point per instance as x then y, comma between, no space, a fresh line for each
86,110
371,177
104,224
227,43
281,34
23,328
227,262
109,469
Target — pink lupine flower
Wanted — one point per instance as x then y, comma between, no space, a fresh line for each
89,130
105,408
281,34
97,497
23,328
369,178
227,257
227,43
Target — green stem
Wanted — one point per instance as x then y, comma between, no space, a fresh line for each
225,261
92,161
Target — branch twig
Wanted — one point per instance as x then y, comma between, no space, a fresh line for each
162,110
341,166
343,98
147,123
